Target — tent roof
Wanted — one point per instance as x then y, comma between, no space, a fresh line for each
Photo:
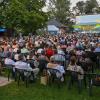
52,28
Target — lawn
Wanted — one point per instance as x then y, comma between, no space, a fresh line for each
35,91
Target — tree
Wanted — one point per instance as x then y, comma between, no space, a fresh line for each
79,8
88,7
35,17
60,9
26,15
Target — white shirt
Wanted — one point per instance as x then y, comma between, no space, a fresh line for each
60,68
39,50
16,56
23,65
15,50
9,61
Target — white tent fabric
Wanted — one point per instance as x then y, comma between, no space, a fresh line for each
52,28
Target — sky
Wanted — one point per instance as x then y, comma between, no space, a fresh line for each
73,3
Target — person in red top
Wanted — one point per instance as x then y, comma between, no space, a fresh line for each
49,51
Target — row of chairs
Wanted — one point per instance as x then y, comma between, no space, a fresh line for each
19,74
90,79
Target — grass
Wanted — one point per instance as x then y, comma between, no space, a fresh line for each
36,91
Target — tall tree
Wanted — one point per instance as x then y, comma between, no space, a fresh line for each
90,7
26,15
80,7
60,9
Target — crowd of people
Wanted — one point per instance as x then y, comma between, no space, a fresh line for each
75,52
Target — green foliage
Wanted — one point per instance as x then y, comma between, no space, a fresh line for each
91,5
88,7
23,15
81,6
60,9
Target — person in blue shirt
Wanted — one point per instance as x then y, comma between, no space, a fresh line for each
98,48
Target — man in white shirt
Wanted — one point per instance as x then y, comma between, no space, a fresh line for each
25,66
8,60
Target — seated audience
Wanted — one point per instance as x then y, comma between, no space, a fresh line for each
60,68
20,64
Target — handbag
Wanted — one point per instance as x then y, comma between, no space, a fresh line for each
44,80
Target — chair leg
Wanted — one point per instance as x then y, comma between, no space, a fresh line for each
26,81
15,76
90,88
85,83
59,83
70,84
8,74
90,85
79,86
18,79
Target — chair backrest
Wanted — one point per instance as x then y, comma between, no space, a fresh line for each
53,72
22,72
9,66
